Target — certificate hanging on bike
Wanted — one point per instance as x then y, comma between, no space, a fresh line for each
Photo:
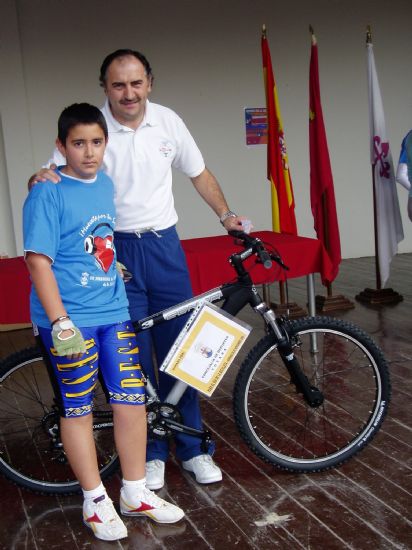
205,348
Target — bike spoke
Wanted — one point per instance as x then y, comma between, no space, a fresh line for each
277,421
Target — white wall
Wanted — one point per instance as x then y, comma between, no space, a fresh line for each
207,64
15,143
7,242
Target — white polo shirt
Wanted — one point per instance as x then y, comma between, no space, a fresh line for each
140,164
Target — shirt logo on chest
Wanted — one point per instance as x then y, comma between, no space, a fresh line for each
101,246
166,149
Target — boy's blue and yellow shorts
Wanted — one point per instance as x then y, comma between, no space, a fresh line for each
112,354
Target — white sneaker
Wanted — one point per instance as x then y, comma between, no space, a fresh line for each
149,504
99,514
155,474
205,470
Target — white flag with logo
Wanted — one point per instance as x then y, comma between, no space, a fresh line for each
388,217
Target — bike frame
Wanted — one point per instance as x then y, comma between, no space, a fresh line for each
235,296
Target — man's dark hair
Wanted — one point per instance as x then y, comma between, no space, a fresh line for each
79,113
124,53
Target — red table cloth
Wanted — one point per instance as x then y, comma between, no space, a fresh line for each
14,291
207,259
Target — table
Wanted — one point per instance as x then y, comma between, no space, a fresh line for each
208,266
14,292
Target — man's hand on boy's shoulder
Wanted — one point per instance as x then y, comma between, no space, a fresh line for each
45,174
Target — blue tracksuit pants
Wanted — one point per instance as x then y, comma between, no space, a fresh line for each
160,280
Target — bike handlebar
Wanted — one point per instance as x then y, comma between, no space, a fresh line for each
258,248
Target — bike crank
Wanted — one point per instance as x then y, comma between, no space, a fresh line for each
158,415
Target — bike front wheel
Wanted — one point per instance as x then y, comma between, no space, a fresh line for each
31,453
278,424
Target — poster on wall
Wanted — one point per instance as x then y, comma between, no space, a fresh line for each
256,125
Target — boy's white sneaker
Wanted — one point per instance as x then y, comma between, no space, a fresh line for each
205,470
100,515
155,474
147,503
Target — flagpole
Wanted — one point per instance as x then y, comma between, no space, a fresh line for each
375,225
375,219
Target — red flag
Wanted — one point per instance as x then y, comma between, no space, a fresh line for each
322,195
283,204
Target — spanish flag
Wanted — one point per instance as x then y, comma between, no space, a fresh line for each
283,204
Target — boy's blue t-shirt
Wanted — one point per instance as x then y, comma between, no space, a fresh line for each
72,223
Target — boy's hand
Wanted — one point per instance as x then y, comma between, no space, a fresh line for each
45,174
123,272
68,340
120,268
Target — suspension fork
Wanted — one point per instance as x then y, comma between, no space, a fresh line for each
236,299
312,395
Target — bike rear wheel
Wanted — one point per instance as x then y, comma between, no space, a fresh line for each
276,422
31,454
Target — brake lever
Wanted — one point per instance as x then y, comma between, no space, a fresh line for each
279,261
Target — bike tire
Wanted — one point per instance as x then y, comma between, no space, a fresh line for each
29,420
277,423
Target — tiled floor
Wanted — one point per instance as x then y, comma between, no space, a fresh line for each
365,504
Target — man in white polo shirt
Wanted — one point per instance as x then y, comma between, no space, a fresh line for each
145,141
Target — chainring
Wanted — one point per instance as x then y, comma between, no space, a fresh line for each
157,415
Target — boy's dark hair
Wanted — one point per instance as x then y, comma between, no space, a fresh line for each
79,113
124,53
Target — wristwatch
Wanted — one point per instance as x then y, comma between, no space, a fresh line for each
226,215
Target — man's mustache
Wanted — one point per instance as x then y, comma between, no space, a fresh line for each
128,101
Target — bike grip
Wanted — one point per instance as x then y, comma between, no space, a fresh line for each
236,234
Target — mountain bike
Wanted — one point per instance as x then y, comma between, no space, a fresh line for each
307,397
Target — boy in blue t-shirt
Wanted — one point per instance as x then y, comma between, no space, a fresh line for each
79,307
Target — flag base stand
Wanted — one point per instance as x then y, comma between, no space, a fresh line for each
383,296
332,303
290,310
